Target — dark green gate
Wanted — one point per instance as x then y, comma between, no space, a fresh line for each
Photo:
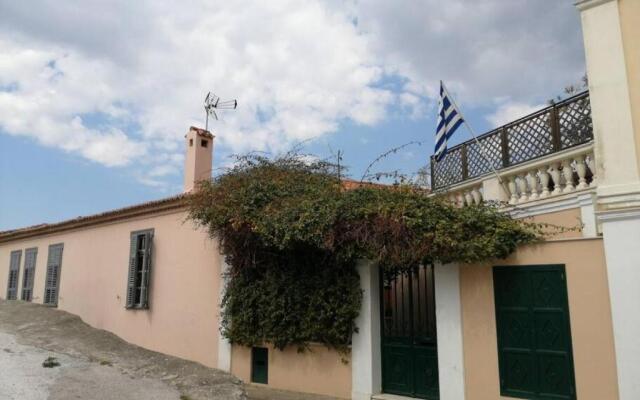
534,335
409,352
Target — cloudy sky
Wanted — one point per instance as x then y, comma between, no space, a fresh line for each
95,97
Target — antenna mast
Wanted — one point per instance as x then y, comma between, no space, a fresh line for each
213,103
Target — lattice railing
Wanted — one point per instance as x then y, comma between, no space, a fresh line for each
552,129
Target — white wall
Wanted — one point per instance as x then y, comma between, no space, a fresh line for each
449,327
615,151
622,248
365,346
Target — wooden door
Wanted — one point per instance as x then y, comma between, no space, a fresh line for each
534,335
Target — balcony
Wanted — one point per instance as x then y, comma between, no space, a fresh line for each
544,154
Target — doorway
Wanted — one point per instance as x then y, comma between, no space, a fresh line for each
409,348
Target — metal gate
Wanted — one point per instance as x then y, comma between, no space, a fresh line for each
409,351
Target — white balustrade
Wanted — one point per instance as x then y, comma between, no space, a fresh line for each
466,197
544,181
513,190
581,169
566,175
560,174
554,171
591,163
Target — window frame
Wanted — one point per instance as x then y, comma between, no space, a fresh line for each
28,280
137,296
46,298
12,292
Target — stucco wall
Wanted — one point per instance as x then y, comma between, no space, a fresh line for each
589,308
570,218
184,297
320,371
630,26
609,84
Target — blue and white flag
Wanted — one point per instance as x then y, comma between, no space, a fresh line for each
449,119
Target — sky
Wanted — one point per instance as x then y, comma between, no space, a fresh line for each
95,97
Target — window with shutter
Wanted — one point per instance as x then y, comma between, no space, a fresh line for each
29,273
52,282
140,262
14,274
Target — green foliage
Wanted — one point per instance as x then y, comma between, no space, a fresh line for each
292,232
307,298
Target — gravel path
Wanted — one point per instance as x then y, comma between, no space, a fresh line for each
94,364
23,377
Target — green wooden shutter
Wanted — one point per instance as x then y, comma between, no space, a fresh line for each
139,269
30,256
131,280
146,269
14,274
52,282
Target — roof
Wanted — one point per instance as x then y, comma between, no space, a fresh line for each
166,204
350,184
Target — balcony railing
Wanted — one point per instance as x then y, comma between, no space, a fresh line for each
556,128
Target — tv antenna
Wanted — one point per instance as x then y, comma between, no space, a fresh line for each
213,103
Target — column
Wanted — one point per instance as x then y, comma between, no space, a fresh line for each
366,378
622,250
612,50
588,214
449,328
609,92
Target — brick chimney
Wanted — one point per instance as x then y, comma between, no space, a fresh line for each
199,157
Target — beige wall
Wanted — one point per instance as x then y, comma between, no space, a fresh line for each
183,315
630,27
570,218
589,308
320,371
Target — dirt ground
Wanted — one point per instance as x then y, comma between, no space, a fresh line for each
94,364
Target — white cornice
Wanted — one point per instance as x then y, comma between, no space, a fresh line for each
583,5
554,204
611,202
618,215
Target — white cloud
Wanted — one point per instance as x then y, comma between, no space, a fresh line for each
299,64
482,49
511,111
120,82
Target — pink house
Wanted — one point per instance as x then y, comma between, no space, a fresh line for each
557,319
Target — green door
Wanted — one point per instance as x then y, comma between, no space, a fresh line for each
534,336
260,365
409,353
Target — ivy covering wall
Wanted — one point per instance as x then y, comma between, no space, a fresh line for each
292,235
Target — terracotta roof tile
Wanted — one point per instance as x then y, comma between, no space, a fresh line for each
167,203
202,132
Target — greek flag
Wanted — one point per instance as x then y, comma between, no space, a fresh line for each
449,119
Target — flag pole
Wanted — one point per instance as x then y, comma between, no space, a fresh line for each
473,134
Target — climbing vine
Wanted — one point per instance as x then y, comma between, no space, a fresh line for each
292,232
